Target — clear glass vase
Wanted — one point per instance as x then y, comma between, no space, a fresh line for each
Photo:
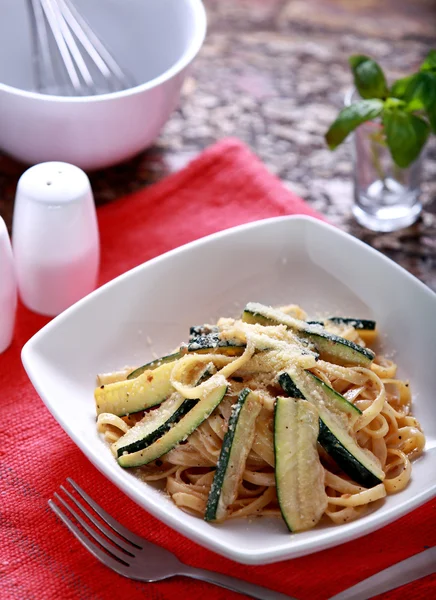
387,197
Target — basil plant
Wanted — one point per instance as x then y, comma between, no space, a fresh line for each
407,109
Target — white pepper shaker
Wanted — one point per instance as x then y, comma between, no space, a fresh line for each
55,237
8,289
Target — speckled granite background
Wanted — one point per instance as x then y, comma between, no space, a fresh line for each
274,73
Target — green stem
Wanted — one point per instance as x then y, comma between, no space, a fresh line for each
397,173
375,146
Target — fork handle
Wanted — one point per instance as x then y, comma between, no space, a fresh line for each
234,584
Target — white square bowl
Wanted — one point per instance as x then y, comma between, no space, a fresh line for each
276,261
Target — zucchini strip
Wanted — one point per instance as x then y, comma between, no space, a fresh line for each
329,345
197,330
334,437
236,446
152,421
202,344
366,328
178,432
358,324
155,364
129,396
310,385
155,424
298,470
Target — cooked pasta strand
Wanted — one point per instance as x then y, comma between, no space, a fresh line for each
385,429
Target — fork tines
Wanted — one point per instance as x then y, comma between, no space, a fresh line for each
117,546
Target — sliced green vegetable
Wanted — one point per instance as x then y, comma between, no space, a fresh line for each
198,330
179,432
329,345
155,424
289,386
310,385
298,470
351,458
154,364
336,440
359,324
236,446
366,328
153,421
201,344
211,342
130,396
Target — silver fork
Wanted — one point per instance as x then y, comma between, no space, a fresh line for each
136,558
133,556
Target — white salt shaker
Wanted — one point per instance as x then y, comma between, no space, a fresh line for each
55,237
8,289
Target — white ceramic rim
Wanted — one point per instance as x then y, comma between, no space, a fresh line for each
195,44
219,234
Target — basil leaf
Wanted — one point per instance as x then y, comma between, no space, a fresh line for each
391,103
399,87
429,63
406,135
421,95
369,78
430,105
351,117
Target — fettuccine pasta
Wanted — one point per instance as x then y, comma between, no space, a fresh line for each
257,359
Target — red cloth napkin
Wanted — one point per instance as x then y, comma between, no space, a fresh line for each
39,559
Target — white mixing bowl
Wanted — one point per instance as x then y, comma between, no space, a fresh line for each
155,40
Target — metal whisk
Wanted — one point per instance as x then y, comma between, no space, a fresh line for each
69,58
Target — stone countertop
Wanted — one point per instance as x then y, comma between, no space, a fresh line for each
274,74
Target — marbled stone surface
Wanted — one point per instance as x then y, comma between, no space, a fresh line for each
274,74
